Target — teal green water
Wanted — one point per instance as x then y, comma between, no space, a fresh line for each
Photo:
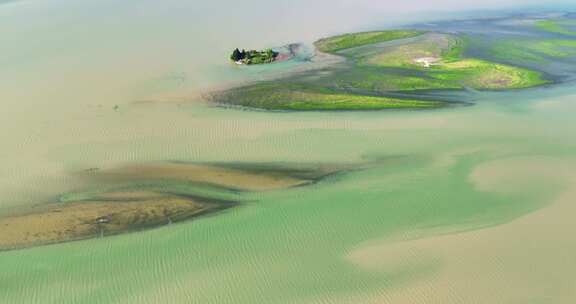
452,172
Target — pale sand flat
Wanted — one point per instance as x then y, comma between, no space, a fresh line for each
529,260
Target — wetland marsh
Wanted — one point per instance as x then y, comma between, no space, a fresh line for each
394,69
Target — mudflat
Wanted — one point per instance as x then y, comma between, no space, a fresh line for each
107,214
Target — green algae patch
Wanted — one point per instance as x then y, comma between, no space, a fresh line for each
554,48
347,41
556,26
535,50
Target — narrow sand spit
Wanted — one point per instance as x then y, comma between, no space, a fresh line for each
250,177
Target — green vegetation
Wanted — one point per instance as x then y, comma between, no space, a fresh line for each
440,57
535,50
381,80
253,56
346,41
516,51
556,26
291,96
481,74
316,101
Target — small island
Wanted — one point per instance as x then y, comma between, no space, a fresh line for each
403,69
254,56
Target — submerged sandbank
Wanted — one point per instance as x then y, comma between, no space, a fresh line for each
136,197
497,264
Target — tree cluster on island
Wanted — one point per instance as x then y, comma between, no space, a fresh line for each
253,56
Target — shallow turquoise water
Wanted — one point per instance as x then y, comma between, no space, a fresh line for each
290,246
